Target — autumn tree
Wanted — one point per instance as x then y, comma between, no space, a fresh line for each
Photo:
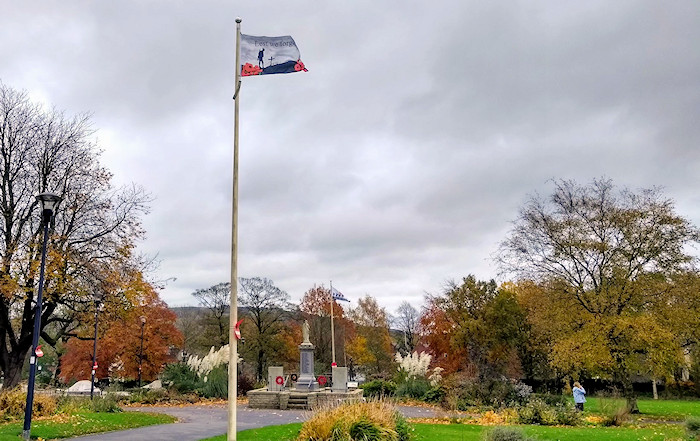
608,256
46,151
680,310
407,320
119,344
216,299
540,329
475,327
371,348
436,330
265,309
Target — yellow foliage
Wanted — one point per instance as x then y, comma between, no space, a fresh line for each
608,342
357,349
334,423
13,403
491,418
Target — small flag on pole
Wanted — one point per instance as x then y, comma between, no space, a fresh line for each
269,55
337,295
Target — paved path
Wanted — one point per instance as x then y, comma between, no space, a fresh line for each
197,422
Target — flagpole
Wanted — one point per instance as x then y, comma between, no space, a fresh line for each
233,312
332,327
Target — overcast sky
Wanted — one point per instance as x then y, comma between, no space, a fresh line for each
399,160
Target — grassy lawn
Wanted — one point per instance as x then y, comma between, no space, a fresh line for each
285,432
64,426
664,409
464,432
468,432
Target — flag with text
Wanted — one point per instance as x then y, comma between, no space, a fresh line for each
269,55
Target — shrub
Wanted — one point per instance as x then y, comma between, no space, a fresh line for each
375,421
71,404
466,392
506,434
106,403
568,415
378,389
245,383
692,425
553,399
615,411
215,383
435,394
148,396
403,429
537,411
366,430
180,377
413,388
13,403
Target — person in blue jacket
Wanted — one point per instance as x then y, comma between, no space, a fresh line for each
579,395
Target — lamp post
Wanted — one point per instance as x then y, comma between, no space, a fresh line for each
98,306
143,323
48,204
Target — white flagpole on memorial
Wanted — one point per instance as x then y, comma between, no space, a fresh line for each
332,327
233,312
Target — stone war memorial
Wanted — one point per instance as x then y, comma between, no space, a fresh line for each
305,390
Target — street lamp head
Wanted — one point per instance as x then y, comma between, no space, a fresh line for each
48,200
48,204
99,301
143,319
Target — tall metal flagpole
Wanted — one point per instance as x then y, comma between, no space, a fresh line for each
332,327
233,313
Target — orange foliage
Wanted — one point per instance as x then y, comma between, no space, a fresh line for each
290,337
316,302
119,345
437,331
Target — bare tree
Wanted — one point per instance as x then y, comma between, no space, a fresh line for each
217,300
46,151
407,320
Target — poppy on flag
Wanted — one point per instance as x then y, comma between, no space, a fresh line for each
269,55
337,295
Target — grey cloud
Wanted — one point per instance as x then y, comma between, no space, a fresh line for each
399,159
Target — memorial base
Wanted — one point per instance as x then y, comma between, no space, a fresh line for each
306,385
296,399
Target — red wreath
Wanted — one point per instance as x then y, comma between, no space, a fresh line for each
322,380
279,380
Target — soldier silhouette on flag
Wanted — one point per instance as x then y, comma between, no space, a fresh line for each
261,54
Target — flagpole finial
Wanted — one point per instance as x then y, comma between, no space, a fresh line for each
238,19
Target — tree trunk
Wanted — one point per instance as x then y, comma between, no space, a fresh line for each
630,396
259,367
653,388
13,371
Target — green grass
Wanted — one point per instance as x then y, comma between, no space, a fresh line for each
468,432
457,432
285,432
82,424
664,409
